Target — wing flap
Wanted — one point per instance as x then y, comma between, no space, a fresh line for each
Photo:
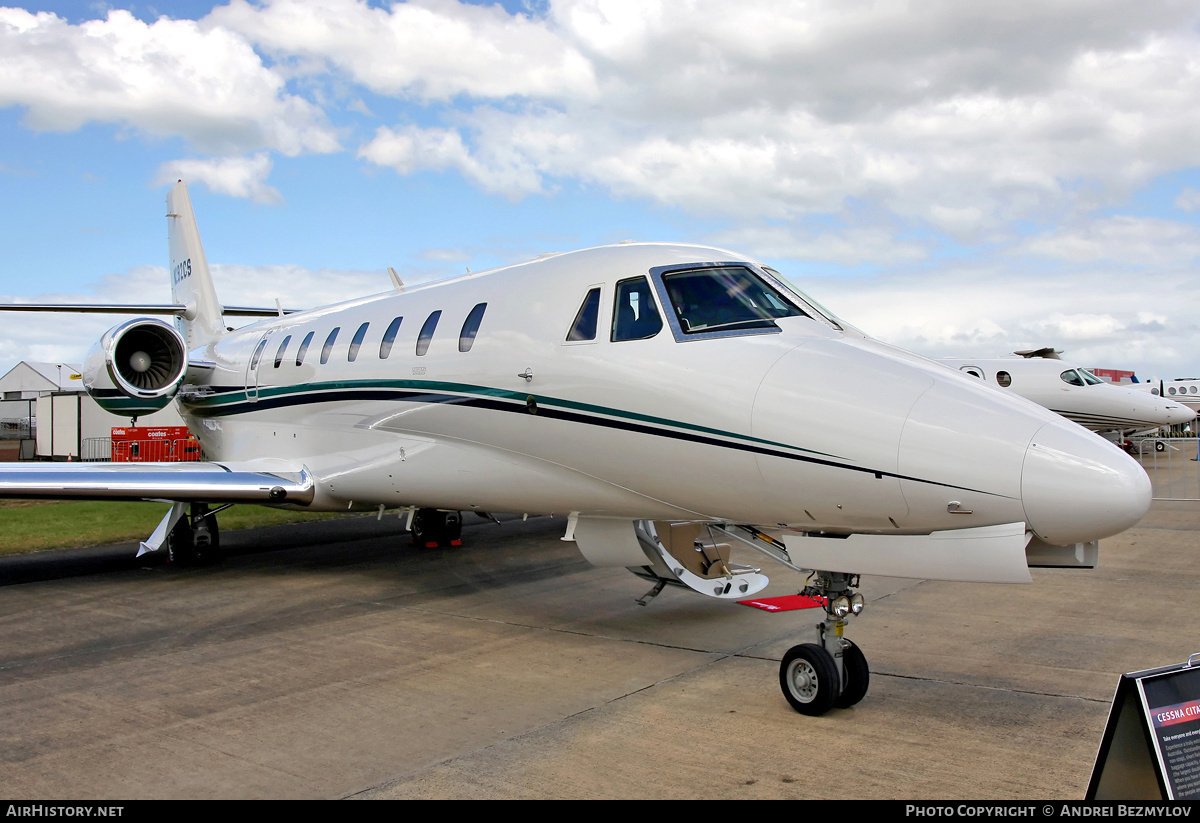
277,482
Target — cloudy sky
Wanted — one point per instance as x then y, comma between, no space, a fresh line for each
955,178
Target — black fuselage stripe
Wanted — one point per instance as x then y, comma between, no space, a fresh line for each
554,413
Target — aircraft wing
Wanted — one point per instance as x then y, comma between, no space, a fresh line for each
272,481
172,309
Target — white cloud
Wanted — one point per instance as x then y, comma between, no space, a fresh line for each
234,176
170,77
1137,241
1099,316
1188,199
430,49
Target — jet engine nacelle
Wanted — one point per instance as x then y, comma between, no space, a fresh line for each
136,368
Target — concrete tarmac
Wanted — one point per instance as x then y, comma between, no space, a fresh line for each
334,660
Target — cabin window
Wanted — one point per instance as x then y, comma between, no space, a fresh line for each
971,370
356,342
262,344
282,348
587,318
303,350
635,317
389,337
328,347
466,338
426,335
1004,379
725,298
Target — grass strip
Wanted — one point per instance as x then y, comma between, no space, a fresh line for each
27,526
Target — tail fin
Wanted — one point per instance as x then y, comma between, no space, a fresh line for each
191,282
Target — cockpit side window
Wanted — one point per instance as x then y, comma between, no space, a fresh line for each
586,319
1072,377
635,316
1089,378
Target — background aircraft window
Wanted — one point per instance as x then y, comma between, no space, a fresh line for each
584,327
1004,378
1072,377
303,348
466,338
282,348
356,341
974,372
389,337
730,297
635,316
328,347
257,354
427,332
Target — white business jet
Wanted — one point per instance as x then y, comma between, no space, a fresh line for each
669,400
1075,392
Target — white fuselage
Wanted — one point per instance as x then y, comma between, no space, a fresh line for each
1075,393
812,426
1182,390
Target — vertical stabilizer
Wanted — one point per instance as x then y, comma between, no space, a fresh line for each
191,282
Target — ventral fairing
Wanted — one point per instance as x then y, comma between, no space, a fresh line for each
668,400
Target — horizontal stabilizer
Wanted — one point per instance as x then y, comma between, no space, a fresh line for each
181,482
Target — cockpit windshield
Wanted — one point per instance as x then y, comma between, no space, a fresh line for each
725,298
1080,377
825,313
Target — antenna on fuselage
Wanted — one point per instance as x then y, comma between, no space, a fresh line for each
1048,353
397,283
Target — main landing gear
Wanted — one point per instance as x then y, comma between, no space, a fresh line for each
432,528
195,540
833,672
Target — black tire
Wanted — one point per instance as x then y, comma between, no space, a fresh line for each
206,541
452,525
181,552
1160,446
856,674
809,680
198,545
425,528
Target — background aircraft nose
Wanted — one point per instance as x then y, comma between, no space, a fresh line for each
1177,414
1078,487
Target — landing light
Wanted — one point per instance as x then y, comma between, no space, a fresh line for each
846,604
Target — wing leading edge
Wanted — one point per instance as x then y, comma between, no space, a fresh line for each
278,482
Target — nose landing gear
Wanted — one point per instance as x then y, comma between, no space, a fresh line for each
833,672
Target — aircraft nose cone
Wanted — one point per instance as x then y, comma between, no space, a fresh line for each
1179,414
1078,487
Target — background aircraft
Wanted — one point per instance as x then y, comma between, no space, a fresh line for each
1075,392
669,400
